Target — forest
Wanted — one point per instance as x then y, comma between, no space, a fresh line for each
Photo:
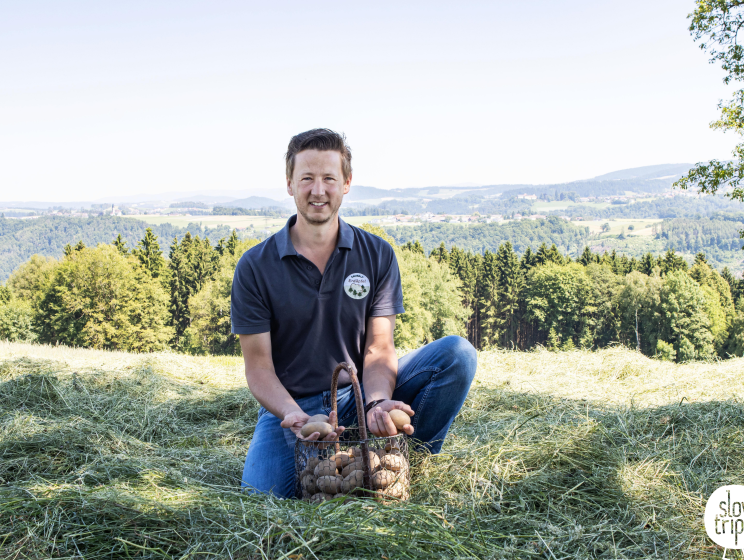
145,298
47,235
676,207
482,237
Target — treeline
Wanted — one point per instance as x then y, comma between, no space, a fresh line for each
456,205
268,211
654,304
190,204
676,207
145,299
482,237
703,234
48,235
594,187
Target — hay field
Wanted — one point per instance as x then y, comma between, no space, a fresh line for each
571,455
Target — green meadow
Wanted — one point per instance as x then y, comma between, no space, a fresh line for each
578,454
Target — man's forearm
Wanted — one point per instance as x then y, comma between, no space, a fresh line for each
380,374
270,393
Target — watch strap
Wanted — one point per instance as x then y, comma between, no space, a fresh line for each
373,404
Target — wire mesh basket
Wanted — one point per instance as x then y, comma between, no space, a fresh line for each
357,464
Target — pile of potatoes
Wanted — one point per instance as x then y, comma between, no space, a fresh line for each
342,474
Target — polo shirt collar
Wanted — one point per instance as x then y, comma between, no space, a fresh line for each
345,235
285,247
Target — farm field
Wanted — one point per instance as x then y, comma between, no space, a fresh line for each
642,227
237,222
542,206
579,454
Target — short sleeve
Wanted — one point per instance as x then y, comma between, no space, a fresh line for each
248,310
389,294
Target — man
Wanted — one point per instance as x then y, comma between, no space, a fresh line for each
320,292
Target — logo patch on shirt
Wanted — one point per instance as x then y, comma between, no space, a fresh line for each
356,286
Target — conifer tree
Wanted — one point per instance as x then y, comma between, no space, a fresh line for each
414,247
736,286
441,254
487,294
546,255
149,254
193,263
509,286
465,266
232,243
120,245
647,264
181,285
528,261
203,260
672,262
587,257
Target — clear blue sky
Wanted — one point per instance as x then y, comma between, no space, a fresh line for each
105,98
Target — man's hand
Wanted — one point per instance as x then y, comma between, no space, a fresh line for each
380,423
295,420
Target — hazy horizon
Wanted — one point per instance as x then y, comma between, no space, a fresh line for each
278,196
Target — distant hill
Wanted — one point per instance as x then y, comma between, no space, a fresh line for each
255,202
647,172
647,179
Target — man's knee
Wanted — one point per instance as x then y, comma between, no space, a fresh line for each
462,356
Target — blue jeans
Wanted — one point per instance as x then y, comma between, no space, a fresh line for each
433,380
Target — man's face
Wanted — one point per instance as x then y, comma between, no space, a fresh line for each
318,185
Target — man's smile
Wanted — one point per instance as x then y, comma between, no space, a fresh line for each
318,204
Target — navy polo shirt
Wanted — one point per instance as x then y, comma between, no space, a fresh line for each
315,320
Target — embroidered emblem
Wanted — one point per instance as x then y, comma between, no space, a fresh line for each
356,286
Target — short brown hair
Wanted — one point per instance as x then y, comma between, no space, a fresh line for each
322,139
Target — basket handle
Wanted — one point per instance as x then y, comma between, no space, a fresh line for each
366,469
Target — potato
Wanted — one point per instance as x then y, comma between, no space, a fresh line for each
351,467
396,490
308,483
311,427
393,462
353,481
318,418
399,418
392,448
382,479
342,459
329,484
320,497
312,462
357,464
326,468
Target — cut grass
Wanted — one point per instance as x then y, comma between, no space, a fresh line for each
571,455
